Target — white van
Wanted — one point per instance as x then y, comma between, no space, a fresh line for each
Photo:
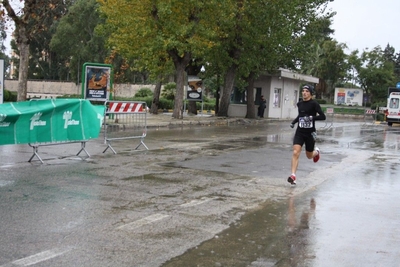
393,108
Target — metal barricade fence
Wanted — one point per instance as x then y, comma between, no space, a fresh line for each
64,125
370,112
125,120
37,145
330,112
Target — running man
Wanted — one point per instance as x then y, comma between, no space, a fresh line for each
309,112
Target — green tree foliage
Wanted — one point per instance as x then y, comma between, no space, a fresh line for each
309,46
235,37
353,64
391,55
3,36
257,36
376,72
397,67
329,65
34,19
76,40
124,72
44,64
159,35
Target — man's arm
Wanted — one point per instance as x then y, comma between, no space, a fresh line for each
320,114
296,120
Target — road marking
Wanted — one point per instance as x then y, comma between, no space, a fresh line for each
144,221
42,256
195,202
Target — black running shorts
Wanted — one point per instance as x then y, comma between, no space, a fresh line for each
301,138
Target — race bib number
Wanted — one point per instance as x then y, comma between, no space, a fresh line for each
305,122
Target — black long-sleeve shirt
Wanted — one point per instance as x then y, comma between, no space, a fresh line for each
307,109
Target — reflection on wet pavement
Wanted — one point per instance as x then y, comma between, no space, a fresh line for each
349,220
277,234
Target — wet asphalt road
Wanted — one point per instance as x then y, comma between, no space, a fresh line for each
205,196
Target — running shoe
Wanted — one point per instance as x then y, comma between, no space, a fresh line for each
292,179
316,158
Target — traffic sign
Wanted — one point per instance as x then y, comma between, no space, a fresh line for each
398,85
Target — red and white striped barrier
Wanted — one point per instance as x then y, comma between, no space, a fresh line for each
125,107
370,111
125,120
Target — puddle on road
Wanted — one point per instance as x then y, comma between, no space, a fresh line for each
346,138
274,235
220,147
187,140
152,178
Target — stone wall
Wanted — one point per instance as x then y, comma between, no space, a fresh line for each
51,88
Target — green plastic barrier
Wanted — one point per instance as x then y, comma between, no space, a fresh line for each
49,121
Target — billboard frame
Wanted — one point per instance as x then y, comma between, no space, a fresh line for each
99,86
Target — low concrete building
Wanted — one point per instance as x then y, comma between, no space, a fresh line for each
281,91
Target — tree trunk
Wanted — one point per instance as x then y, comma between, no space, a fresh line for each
251,111
180,83
192,107
23,46
180,63
156,98
217,93
226,92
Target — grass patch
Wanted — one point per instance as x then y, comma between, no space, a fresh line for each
345,109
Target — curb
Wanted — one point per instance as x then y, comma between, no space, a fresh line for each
157,122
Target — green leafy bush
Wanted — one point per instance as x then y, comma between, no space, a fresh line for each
380,117
70,96
169,91
147,99
166,104
6,95
378,104
144,92
207,105
163,104
10,96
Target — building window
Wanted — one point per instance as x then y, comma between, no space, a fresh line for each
238,96
394,103
277,98
257,96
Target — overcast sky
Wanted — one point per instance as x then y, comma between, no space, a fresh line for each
367,23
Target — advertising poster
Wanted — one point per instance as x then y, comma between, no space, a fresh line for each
341,98
348,96
195,91
97,81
